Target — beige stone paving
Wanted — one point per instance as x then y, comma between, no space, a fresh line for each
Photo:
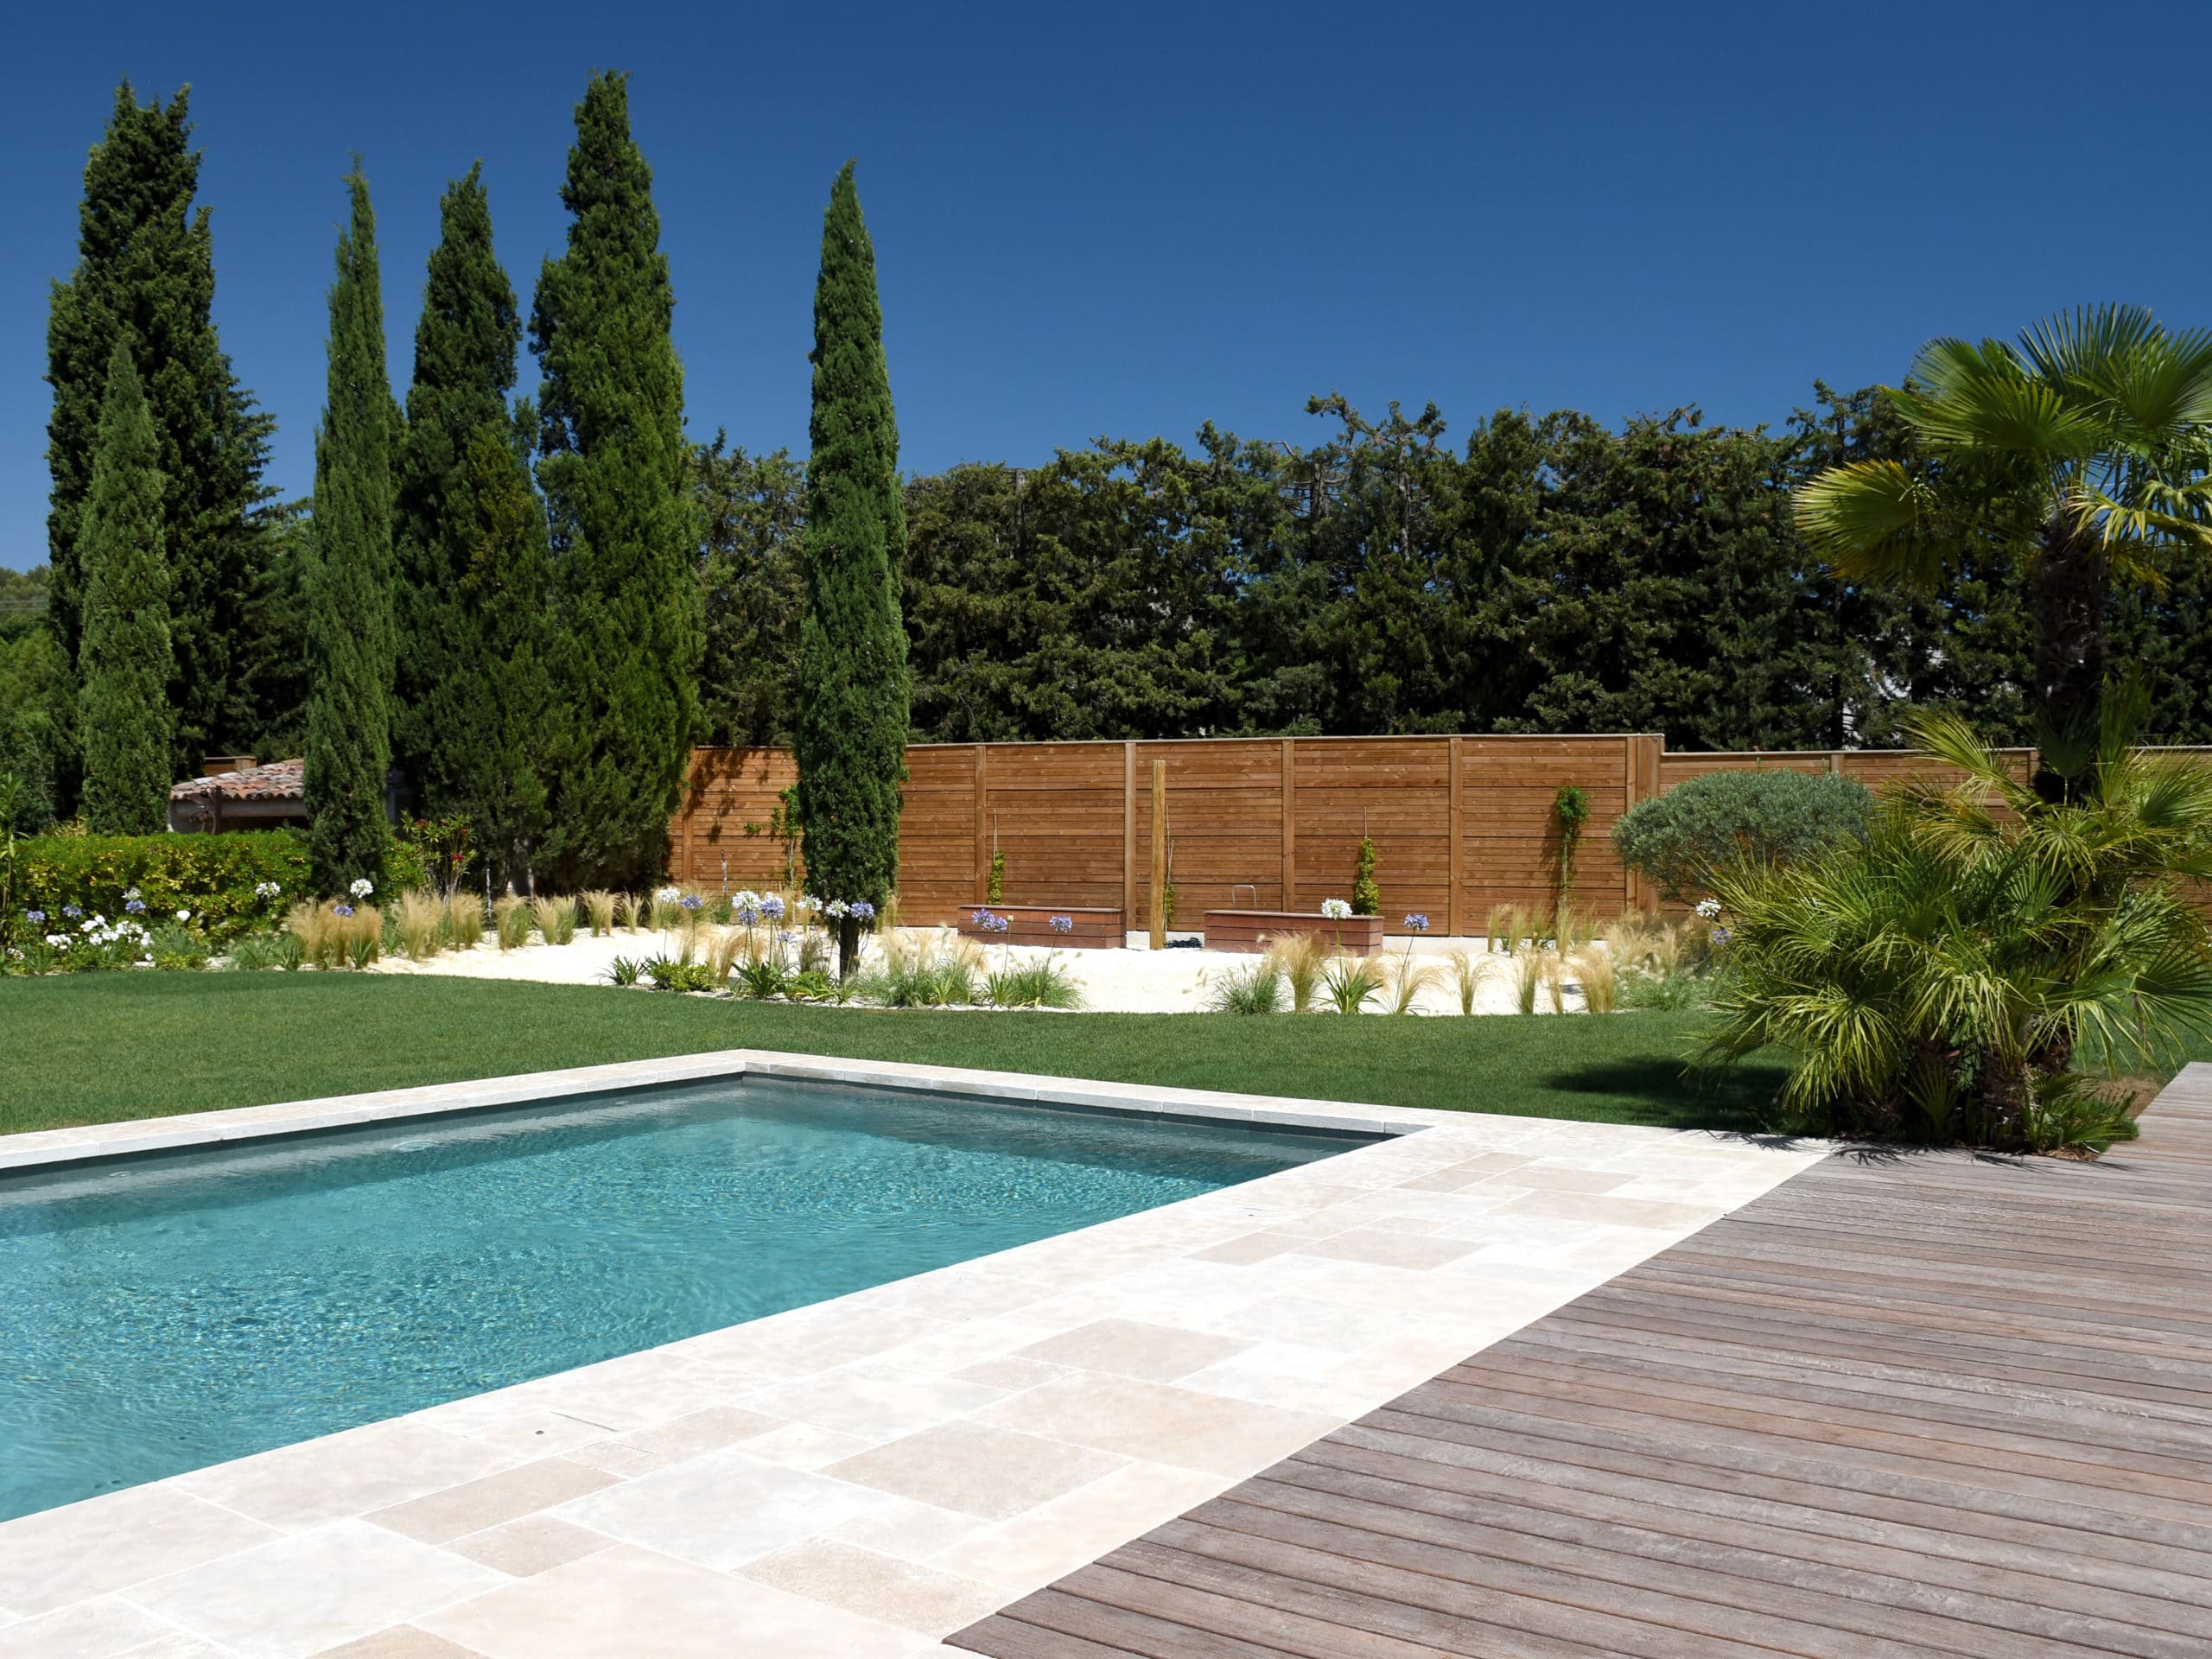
863,1476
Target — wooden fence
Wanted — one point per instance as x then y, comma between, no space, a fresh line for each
1461,824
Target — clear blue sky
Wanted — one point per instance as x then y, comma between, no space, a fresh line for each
1128,219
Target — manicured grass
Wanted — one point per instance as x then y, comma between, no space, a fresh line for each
98,1047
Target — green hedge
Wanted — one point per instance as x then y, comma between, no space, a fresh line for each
212,876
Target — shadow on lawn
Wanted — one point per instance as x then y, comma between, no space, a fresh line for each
1739,1100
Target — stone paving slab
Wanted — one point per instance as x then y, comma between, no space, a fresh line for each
863,1476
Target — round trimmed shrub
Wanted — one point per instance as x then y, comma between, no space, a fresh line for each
1727,819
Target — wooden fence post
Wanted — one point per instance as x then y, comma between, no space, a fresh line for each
982,825
1129,836
1159,854
1455,827
1289,827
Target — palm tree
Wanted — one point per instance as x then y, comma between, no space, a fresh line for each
2083,452
1970,970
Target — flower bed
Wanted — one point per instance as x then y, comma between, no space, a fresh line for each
1089,930
1252,931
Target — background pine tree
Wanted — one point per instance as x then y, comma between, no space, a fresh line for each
625,533
851,735
145,276
349,574
475,727
124,650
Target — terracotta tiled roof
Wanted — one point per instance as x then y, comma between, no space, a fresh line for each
280,780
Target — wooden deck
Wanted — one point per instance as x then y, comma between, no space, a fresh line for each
1921,1404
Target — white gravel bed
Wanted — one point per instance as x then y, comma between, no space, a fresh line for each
1178,980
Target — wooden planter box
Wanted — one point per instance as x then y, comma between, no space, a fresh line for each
1253,930
1094,930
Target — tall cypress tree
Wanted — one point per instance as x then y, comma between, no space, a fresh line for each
349,577
850,739
623,524
124,650
474,727
145,276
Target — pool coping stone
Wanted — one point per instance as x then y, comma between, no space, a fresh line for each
865,1475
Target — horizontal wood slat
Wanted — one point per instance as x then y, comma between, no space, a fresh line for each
1253,823
1921,1403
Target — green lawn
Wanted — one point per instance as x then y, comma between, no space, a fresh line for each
96,1047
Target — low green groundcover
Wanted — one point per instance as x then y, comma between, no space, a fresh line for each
95,1048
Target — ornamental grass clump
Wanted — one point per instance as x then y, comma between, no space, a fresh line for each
511,921
1256,990
554,919
1983,965
464,921
599,905
1466,978
320,931
1595,971
1527,974
1039,982
364,933
419,919
1404,978
1300,958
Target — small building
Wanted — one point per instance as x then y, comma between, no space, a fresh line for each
237,794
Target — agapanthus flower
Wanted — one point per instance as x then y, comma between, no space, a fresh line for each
72,911
362,886
1335,909
266,889
1708,908
342,910
59,941
134,904
1720,936
692,901
668,895
861,909
837,908
34,917
184,915
1061,923
1416,922
131,893
771,906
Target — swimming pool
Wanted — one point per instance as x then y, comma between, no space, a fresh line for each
164,1312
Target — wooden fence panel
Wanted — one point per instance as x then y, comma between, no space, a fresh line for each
1461,825
721,838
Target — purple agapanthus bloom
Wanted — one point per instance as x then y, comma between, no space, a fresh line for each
1720,936
1061,923
34,917
1416,922
771,906
692,901
135,907
72,912
862,910
342,910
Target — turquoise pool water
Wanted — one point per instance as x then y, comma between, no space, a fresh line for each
168,1312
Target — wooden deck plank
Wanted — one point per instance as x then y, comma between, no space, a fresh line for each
1902,1404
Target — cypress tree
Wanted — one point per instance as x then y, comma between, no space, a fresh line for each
145,276
124,648
850,739
474,727
614,470
349,574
